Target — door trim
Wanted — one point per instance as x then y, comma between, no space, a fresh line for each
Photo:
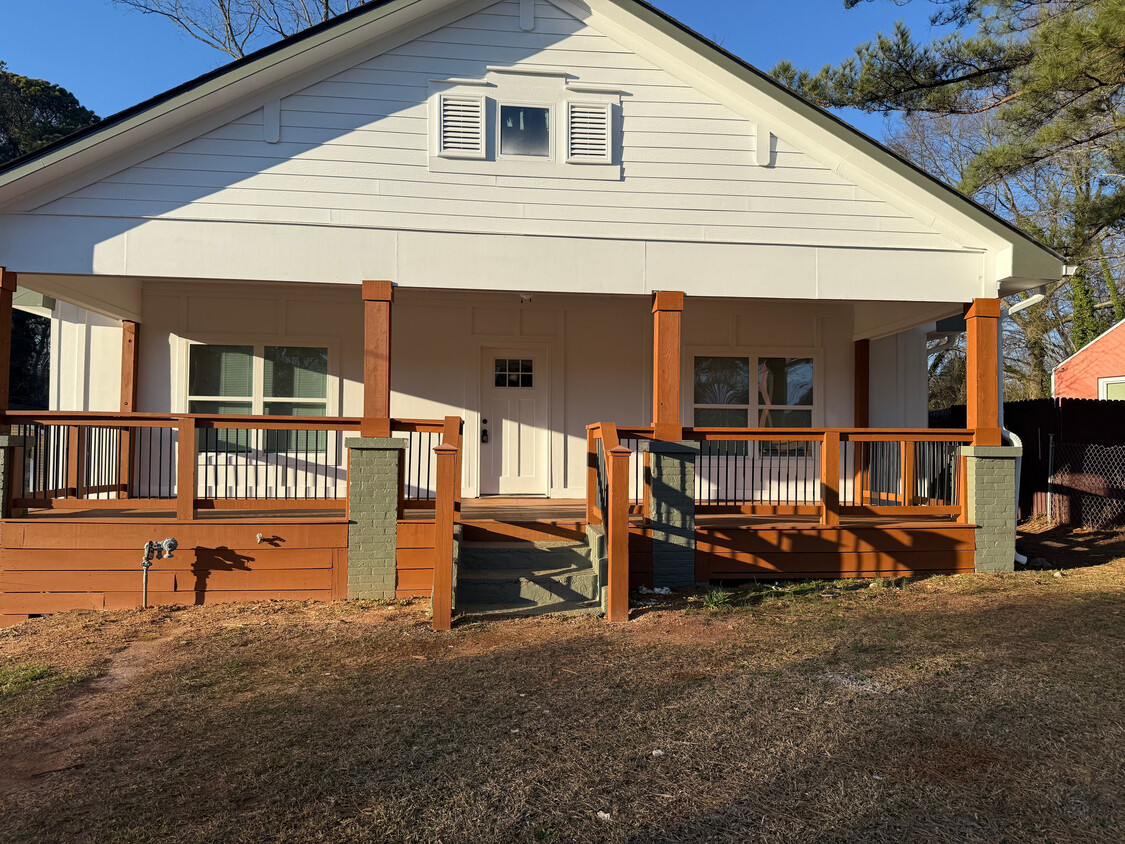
548,461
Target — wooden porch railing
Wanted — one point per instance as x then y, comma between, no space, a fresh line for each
191,462
830,472
607,503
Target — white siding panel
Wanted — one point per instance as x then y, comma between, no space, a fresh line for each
354,151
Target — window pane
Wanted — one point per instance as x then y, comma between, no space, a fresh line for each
785,381
722,381
221,408
291,408
525,131
294,371
1115,390
786,419
220,370
721,417
222,439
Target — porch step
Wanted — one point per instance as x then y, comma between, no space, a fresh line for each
526,578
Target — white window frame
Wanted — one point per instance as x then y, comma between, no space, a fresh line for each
1103,383
754,409
258,372
552,129
550,88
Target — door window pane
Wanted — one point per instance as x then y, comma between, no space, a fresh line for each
722,380
514,372
525,130
221,371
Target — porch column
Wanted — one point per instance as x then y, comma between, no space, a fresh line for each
861,416
130,369
7,289
9,445
377,299
982,363
667,308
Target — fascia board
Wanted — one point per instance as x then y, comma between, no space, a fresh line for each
854,156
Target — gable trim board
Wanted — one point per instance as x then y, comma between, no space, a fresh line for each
262,78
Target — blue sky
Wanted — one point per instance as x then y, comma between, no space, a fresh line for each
112,58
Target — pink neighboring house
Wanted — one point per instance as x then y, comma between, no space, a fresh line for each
1095,372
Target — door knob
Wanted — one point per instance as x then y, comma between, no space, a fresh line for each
484,435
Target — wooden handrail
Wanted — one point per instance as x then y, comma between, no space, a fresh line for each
616,515
202,420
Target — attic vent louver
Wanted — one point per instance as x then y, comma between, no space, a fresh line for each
462,127
590,135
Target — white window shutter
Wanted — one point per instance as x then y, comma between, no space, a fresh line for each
461,133
590,138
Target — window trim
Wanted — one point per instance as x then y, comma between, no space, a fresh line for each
754,409
258,343
536,88
1103,383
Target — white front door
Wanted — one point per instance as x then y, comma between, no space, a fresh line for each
513,450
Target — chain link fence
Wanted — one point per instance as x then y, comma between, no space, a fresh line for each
1087,485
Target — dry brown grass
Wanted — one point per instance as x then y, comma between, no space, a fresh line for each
972,708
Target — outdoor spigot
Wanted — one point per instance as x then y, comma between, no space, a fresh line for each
154,551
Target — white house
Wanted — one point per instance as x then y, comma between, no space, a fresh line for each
527,174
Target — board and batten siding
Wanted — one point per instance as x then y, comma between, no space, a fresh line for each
353,151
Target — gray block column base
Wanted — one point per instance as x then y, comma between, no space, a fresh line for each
373,472
672,512
990,488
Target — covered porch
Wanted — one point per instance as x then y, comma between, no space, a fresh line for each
255,497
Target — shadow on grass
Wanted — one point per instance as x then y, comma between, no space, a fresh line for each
956,728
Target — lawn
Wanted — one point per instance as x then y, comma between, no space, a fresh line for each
970,708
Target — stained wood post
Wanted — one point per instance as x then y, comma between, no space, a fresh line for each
185,469
7,289
667,310
130,369
592,517
982,363
452,434
444,516
617,538
830,479
861,416
906,460
377,299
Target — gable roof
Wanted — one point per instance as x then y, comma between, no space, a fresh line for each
80,145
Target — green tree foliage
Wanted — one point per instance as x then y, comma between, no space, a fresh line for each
1018,104
34,113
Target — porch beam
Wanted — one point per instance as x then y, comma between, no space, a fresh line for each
861,417
7,288
982,363
377,299
667,310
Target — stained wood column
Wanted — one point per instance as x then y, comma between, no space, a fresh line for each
130,362
130,370
667,309
982,356
861,417
7,288
377,299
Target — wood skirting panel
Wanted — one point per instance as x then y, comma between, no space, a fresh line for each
414,559
54,565
832,553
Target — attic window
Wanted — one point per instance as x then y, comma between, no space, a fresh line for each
525,130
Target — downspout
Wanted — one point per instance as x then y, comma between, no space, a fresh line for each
1006,436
